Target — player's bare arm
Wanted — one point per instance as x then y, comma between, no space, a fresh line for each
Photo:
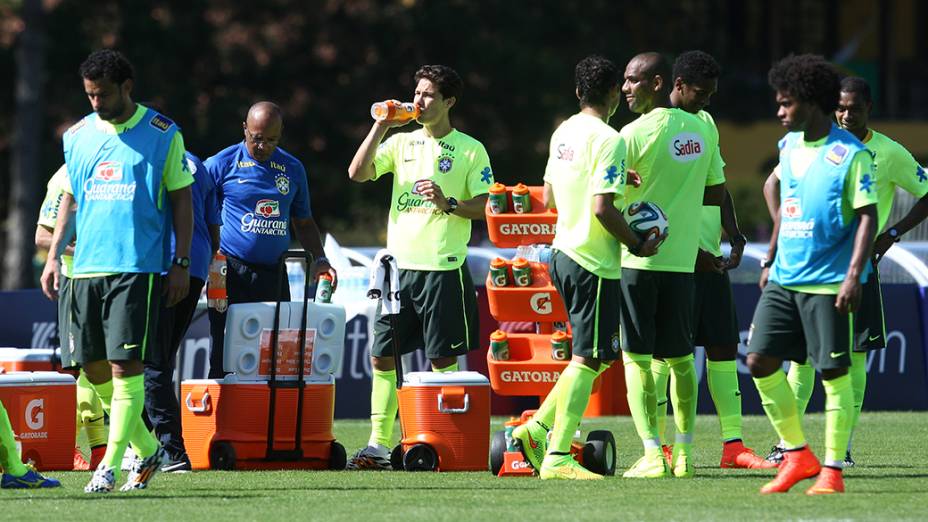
473,208
362,164
62,236
178,284
917,214
849,295
614,222
307,233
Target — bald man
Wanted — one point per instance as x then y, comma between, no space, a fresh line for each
264,194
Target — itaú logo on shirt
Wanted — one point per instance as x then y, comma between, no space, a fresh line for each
686,147
260,222
104,184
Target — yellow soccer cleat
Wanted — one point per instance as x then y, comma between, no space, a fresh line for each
649,466
564,467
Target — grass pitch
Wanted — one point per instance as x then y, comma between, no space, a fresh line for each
890,482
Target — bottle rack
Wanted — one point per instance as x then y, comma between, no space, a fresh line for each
509,230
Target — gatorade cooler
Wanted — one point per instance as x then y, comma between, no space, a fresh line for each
29,359
446,422
225,425
41,409
226,422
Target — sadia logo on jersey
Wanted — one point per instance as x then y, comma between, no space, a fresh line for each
108,171
792,208
686,147
267,208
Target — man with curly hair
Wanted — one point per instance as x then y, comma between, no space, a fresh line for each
824,234
673,152
441,178
715,327
129,179
585,182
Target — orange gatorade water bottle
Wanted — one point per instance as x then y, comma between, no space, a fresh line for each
499,345
521,201
560,346
392,110
216,296
499,272
521,272
498,203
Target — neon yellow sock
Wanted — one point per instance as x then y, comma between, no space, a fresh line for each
858,373
128,400
9,456
90,412
839,411
722,377
143,442
684,390
384,406
780,405
642,399
548,408
578,383
453,367
801,380
660,371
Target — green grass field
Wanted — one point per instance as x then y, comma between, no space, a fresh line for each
890,482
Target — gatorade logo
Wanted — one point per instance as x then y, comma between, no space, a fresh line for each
35,414
686,147
528,376
267,208
520,229
541,303
108,171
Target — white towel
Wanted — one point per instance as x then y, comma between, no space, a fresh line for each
387,290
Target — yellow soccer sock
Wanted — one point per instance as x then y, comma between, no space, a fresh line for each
660,371
839,409
684,390
384,405
90,412
9,456
722,377
780,404
801,380
642,399
858,373
144,444
578,383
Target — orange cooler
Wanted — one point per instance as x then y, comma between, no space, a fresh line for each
450,413
225,424
29,359
41,407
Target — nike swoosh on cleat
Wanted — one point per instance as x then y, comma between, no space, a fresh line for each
836,355
532,443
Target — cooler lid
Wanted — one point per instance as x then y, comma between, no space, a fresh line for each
445,379
26,354
35,378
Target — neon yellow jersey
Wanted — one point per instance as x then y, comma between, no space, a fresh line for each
857,194
895,167
48,214
711,232
419,235
673,153
586,158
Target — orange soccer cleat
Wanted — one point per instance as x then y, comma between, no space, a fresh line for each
736,455
79,463
830,481
797,465
96,455
667,449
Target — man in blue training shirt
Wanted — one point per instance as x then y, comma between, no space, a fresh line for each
129,179
161,407
263,191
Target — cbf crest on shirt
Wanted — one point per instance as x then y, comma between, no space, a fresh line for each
419,234
258,201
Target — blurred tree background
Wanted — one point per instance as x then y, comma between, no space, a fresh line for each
205,62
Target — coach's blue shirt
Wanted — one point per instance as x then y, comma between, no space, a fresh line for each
258,200
205,213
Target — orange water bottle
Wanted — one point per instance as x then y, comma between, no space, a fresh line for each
216,296
394,111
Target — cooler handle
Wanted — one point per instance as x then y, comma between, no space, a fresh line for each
442,409
204,403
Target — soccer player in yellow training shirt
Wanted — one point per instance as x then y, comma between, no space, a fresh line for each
672,151
441,177
695,75
895,168
585,181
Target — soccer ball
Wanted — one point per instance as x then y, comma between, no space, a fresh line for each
646,219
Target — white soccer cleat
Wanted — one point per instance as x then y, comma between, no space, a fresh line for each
103,480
